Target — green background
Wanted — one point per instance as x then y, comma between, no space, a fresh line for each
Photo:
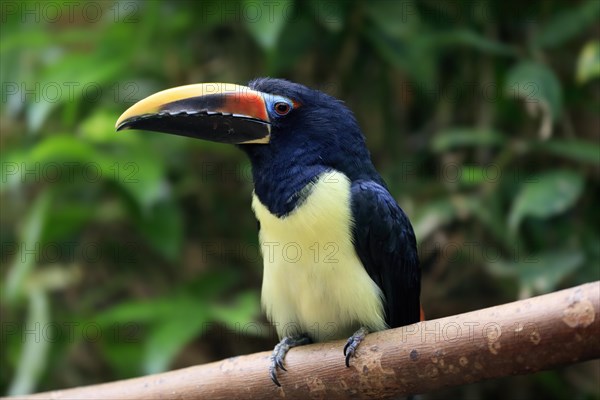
132,253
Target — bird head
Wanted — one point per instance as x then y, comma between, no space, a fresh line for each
290,132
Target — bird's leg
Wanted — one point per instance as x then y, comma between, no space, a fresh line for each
281,350
353,342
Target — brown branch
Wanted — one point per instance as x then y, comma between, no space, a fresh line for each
517,338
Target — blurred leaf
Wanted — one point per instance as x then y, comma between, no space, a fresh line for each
25,37
100,127
205,288
266,21
32,361
574,149
57,86
567,24
537,85
139,311
138,170
397,19
291,50
241,312
396,33
62,149
490,213
33,38
12,168
415,55
37,113
163,226
54,277
184,322
175,319
462,137
66,218
549,194
92,72
213,284
30,240
330,14
187,320
588,64
133,166
52,163
469,38
121,349
472,175
538,273
432,216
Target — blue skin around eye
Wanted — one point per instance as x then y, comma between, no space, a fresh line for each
272,100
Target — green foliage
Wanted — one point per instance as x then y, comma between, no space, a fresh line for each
539,273
458,138
576,150
34,356
30,235
481,115
537,85
266,31
568,24
175,319
544,196
588,65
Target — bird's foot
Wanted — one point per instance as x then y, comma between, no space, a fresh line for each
353,342
281,350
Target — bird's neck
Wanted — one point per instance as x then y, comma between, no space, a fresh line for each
281,183
282,179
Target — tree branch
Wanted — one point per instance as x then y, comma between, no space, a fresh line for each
517,338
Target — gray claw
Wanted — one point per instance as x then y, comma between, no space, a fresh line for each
353,342
280,351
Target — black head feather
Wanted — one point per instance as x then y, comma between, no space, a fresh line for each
318,135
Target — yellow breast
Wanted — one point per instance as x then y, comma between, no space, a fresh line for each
313,279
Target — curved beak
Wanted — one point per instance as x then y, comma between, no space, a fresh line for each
219,112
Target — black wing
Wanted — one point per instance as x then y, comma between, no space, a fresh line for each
385,243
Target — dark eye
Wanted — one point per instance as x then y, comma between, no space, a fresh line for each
282,108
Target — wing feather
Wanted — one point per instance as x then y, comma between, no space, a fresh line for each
385,243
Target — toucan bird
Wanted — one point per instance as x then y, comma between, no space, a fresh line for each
340,256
